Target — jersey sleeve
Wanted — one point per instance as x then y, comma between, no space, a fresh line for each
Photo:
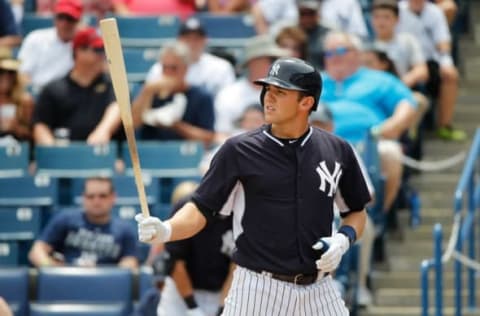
354,193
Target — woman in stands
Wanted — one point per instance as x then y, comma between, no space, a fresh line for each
16,104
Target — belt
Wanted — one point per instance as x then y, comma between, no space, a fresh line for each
300,279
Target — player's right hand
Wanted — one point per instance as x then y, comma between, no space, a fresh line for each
152,230
195,312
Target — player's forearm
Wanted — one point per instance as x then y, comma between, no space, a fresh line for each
357,221
187,222
182,279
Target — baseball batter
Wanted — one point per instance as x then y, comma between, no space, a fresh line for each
280,182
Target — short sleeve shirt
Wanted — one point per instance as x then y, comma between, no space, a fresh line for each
71,234
281,195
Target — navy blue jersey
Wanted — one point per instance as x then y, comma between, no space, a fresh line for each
281,194
207,255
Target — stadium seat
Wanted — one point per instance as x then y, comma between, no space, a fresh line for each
9,253
147,31
14,289
31,22
19,223
138,62
169,159
227,30
14,160
78,159
85,309
145,279
101,285
125,189
28,191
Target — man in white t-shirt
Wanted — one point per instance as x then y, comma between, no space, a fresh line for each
271,15
427,22
232,101
206,70
46,54
344,15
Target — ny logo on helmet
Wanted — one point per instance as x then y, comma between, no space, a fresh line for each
275,69
327,177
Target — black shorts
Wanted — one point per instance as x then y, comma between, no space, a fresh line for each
432,86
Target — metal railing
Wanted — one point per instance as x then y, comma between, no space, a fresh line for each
466,203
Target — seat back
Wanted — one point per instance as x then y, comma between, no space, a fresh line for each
40,190
14,289
227,30
169,159
14,160
138,62
78,159
84,309
147,31
32,22
19,223
85,285
9,253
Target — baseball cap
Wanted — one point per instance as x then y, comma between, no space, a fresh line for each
192,25
87,37
73,8
263,46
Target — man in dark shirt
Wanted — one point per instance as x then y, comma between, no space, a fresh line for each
81,103
9,32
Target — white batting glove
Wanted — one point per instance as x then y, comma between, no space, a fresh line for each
338,245
152,230
195,312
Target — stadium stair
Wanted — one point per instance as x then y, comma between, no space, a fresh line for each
397,285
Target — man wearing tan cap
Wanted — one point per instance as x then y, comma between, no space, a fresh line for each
232,101
46,54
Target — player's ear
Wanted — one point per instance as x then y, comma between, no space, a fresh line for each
307,102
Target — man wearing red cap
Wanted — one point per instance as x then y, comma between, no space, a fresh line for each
82,102
46,54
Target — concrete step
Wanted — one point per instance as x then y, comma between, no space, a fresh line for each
401,310
410,279
412,297
440,182
472,67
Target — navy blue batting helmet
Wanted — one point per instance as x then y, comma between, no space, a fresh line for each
293,74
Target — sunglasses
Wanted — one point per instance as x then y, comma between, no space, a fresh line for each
66,17
91,196
339,51
170,67
307,12
97,50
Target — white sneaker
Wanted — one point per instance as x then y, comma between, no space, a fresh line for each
364,297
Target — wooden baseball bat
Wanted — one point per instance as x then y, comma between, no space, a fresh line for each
116,64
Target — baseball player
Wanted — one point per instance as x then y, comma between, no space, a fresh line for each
280,182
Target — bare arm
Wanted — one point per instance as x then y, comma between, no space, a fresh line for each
182,279
42,135
106,128
129,262
357,221
189,131
401,119
227,284
39,255
187,222
10,40
141,104
418,74
4,308
261,25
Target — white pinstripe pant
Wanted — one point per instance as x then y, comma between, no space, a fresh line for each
255,294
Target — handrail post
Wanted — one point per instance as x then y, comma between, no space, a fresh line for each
437,236
424,266
471,241
458,279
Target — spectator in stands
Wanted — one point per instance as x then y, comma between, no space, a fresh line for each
311,23
90,237
9,32
367,101
231,102
205,70
271,15
449,8
428,24
344,15
228,6
183,8
170,108
16,104
323,118
46,54
293,39
82,102
403,49
97,8
202,265
4,308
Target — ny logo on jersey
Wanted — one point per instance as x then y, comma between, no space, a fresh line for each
327,177
274,70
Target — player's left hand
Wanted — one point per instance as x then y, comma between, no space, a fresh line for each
195,312
338,245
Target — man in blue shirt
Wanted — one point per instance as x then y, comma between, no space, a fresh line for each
9,33
90,237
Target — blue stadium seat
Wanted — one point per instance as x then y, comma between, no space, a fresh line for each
78,159
85,309
19,223
227,30
14,289
31,22
147,31
125,189
145,279
138,62
9,253
14,160
28,191
101,285
169,159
